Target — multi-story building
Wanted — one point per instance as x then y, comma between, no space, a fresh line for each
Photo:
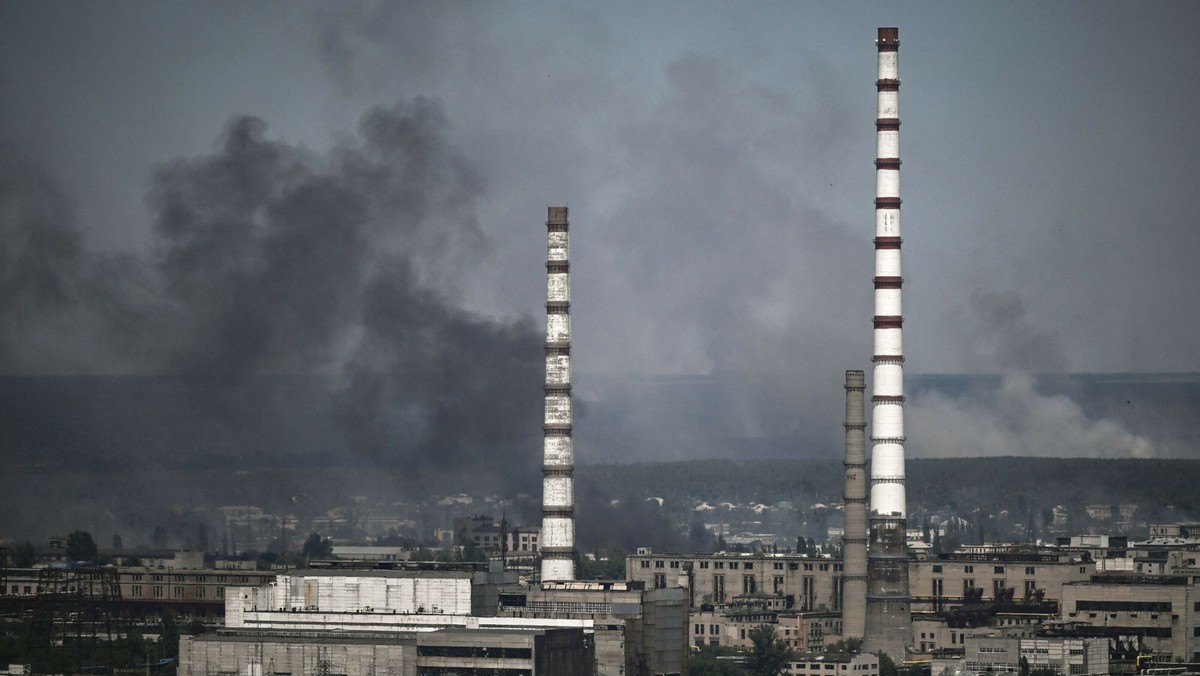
993,653
808,583
532,652
148,592
729,625
1162,611
635,628
938,582
492,537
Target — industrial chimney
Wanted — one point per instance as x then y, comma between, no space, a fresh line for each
854,537
888,621
558,458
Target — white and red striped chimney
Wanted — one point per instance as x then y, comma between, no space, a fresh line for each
888,623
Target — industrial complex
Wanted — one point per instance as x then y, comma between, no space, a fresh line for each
874,598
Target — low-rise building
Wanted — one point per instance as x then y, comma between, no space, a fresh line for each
834,664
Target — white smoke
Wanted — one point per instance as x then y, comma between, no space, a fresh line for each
1015,420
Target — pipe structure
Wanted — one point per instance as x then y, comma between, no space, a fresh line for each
889,619
558,456
854,538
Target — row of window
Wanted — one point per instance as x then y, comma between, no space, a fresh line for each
998,570
219,579
745,565
156,591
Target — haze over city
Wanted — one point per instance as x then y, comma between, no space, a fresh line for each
355,191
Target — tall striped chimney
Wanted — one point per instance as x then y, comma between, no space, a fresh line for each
558,458
854,537
888,622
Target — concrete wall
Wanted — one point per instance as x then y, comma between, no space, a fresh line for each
212,655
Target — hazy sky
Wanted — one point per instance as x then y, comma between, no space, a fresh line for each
717,159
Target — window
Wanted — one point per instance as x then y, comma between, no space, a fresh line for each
748,584
675,564
660,581
1029,570
999,570
968,569
157,591
777,566
719,565
749,565
704,564
136,591
733,565
937,569
659,564
645,564
179,592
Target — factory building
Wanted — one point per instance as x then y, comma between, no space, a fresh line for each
1162,612
946,580
806,583
635,627
539,652
988,652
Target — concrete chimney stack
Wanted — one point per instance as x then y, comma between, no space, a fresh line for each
888,622
854,537
558,458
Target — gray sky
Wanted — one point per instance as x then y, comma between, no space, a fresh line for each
717,159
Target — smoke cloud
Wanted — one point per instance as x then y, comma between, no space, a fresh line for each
1015,419
271,263
1010,415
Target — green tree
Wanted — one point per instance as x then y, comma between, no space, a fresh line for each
169,635
769,654
707,662
22,555
317,547
887,666
81,546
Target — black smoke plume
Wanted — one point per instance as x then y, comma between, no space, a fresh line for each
292,302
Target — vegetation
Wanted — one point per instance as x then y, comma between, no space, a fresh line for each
316,547
22,555
81,546
716,661
609,566
769,655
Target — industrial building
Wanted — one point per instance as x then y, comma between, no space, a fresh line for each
548,652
